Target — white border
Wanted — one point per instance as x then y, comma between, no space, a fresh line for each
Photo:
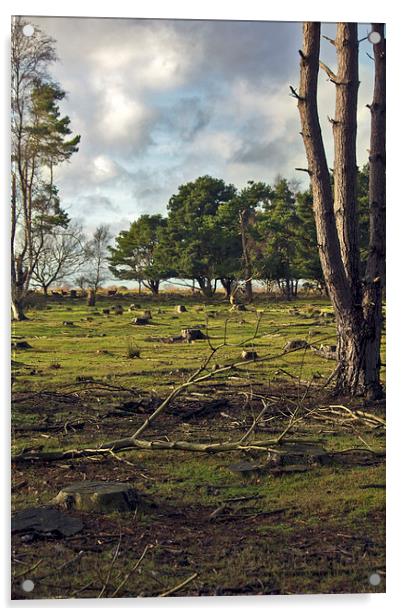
285,10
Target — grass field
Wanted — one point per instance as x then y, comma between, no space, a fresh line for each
317,531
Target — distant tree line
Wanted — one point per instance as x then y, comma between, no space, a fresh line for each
214,233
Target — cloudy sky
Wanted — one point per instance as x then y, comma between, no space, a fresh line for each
161,102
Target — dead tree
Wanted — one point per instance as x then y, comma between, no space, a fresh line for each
356,301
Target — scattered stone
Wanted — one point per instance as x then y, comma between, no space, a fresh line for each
193,333
21,344
68,323
140,321
181,309
246,355
295,344
98,496
44,521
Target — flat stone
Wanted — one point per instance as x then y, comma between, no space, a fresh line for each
45,520
98,496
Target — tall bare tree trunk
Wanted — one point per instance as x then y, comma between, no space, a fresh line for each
374,283
91,297
336,215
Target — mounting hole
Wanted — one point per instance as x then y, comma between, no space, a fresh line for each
375,579
374,37
27,585
28,30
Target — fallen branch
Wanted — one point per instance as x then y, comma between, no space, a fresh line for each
169,592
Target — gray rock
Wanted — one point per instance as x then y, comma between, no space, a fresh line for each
45,520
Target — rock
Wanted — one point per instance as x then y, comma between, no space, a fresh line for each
181,309
249,355
68,323
45,520
295,344
21,344
140,321
98,496
191,334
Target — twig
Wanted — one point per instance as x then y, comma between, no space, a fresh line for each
109,573
29,570
137,564
169,592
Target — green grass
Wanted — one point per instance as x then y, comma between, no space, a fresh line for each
98,348
329,534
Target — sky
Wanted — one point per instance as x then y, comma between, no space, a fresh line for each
159,103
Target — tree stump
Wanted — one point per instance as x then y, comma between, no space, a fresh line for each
238,307
295,344
140,321
246,355
191,334
98,496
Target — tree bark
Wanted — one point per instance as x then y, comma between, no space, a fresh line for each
336,217
248,273
91,297
345,165
374,283
227,285
17,307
